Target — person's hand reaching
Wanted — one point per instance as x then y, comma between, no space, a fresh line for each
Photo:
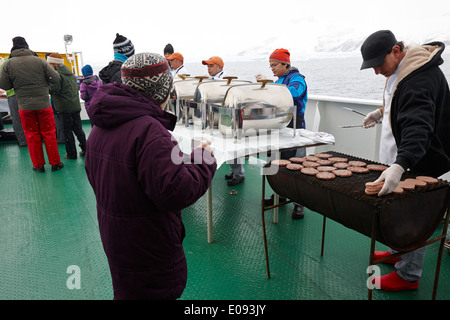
391,177
372,119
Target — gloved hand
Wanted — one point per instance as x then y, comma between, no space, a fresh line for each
372,118
260,76
207,146
391,177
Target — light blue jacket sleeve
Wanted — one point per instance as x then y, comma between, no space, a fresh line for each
296,86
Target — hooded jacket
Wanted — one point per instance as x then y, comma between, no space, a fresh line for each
296,84
134,167
65,96
420,112
30,77
88,87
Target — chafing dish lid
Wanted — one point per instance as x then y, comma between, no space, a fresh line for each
269,94
214,91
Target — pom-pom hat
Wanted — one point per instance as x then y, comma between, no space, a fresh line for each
123,45
149,73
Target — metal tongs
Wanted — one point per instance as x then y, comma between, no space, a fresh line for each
357,125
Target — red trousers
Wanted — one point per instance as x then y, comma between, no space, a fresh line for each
40,125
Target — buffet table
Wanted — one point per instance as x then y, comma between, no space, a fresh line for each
226,149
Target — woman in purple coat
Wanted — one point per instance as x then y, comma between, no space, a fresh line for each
135,168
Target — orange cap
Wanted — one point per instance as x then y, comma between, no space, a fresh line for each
214,60
176,55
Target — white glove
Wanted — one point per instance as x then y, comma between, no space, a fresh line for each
391,177
260,76
372,118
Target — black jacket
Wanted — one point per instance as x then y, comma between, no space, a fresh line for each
420,112
111,73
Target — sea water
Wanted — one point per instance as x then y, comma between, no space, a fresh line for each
337,77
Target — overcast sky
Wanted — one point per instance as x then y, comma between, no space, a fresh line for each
203,28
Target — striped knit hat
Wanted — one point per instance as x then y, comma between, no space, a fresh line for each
148,73
281,55
123,45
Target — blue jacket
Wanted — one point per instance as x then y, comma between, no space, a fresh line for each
297,86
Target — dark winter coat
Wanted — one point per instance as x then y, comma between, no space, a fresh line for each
65,95
133,165
112,72
88,87
420,112
30,77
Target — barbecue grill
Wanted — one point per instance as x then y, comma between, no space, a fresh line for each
403,222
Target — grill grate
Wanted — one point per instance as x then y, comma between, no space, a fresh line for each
354,186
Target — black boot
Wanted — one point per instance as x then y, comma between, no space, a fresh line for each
235,182
56,167
39,169
298,212
270,201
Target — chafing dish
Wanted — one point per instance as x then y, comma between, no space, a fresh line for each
182,93
208,94
249,108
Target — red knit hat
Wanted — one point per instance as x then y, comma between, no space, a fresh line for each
281,55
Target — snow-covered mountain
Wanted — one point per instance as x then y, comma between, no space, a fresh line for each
333,44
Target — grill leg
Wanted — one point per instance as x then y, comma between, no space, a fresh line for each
441,249
372,249
323,236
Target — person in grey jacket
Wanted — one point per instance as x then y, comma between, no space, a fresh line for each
30,77
66,100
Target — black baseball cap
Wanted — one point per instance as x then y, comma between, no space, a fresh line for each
376,47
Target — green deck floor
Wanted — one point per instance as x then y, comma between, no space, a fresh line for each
48,223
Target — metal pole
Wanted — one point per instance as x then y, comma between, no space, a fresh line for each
209,221
323,236
372,248
264,226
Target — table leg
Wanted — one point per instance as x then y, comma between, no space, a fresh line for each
276,198
209,221
276,201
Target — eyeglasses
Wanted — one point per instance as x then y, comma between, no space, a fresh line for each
273,65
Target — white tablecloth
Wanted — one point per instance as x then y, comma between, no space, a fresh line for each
4,105
227,148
